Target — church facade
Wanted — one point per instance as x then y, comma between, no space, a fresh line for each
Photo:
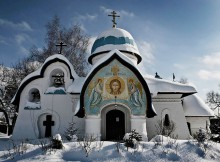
113,99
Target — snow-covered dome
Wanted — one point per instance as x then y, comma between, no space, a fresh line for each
114,38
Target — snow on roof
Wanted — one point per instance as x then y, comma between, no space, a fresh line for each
78,83
165,86
193,105
155,85
115,38
116,32
106,57
38,72
123,47
32,105
59,56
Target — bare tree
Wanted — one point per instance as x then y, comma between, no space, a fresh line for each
183,80
165,129
77,42
213,99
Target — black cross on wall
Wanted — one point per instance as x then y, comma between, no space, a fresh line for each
48,124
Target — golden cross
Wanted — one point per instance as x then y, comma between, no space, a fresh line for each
114,15
115,70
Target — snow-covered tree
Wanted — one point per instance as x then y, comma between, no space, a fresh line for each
132,139
213,99
70,132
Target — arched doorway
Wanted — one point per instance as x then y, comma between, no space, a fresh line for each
124,115
115,125
46,124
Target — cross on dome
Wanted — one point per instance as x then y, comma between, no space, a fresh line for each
61,44
114,15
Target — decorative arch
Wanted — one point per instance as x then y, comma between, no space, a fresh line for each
16,99
149,111
42,117
123,108
165,112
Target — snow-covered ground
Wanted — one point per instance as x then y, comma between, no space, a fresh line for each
169,150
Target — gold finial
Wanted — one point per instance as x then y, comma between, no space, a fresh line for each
114,15
115,70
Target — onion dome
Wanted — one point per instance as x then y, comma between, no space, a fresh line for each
114,38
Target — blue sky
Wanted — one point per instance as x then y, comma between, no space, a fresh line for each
175,36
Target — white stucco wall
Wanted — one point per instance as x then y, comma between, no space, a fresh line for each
198,122
93,126
172,105
60,106
138,123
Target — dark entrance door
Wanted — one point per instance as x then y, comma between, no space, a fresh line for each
115,125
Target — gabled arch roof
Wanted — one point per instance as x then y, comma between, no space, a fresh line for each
40,73
124,60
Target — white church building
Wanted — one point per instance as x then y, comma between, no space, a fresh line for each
112,100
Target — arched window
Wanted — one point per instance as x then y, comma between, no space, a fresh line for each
34,95
57,78
166,121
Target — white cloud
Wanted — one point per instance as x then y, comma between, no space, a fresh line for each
145,50
211,60
122,13
24,50
125,13
83,18
179,66
86,17
4,40
106,10
209,75
21,26
22,38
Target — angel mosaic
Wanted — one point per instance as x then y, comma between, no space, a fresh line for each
96,94
134,92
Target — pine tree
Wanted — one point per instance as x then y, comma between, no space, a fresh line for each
133,139
71,131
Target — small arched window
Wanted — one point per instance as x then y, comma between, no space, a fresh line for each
34,95
57,78
166,121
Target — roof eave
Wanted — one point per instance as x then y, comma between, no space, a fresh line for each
139,58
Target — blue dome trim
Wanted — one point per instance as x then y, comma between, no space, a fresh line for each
111,40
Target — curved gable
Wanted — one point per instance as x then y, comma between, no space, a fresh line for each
102,78
38,74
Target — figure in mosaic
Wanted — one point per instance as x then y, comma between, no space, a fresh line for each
135,96
115,86
96,95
